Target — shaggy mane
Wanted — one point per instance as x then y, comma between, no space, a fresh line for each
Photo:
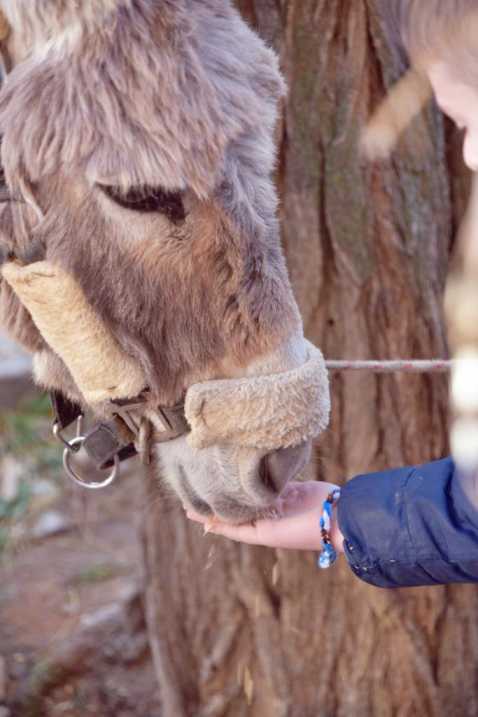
155,95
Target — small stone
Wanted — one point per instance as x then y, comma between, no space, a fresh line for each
11,471
44,488
44,495
50,523
103,616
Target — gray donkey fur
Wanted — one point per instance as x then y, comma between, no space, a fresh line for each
173,94
155,95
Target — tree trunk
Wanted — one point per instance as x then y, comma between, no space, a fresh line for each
249,631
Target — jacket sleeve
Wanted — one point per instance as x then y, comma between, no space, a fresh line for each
410,526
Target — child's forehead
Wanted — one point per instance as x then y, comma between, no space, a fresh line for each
445,84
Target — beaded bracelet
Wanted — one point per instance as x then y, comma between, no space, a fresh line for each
328,554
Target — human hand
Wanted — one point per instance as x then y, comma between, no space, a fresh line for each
297,526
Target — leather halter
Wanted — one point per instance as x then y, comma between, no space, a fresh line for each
109,443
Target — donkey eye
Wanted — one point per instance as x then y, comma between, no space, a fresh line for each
148,199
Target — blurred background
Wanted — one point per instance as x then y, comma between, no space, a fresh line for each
72,632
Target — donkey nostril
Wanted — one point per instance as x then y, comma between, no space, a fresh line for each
269,477
277,468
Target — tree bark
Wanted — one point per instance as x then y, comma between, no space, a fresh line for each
247,631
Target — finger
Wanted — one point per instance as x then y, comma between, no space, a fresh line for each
197,517
290,533
299,497
297,528
294,531
246,532
299,532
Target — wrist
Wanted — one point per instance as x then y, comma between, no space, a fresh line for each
335,533
328,553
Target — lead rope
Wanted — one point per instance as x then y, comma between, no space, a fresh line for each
396,366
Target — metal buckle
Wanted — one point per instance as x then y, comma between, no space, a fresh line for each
126,413
74,446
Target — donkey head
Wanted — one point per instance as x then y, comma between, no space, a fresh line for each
138,147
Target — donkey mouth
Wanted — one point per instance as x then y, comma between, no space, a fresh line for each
257,495
231,511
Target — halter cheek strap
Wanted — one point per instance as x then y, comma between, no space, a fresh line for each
100,367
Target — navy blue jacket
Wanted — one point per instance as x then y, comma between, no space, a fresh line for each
410,526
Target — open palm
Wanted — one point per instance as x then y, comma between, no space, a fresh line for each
297,524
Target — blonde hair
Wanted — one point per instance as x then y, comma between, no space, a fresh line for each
426,25
430,30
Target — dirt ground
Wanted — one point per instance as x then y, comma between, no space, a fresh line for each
72,632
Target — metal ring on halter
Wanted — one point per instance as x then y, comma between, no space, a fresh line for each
93,485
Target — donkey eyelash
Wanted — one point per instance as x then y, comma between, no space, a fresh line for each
148,199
